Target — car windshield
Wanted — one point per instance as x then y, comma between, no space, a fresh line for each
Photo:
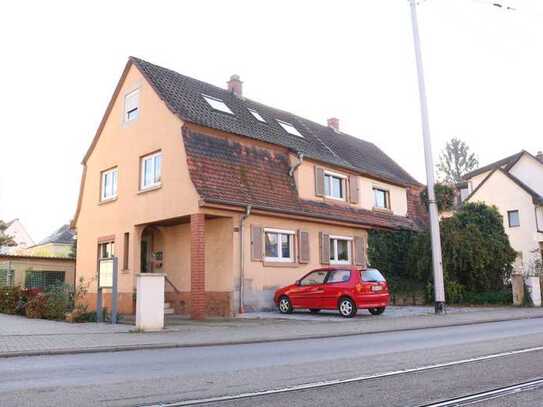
372,276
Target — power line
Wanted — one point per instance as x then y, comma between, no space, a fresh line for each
498,4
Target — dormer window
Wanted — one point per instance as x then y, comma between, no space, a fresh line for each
289,128
257,115
131,105
334,185
217,104
382,198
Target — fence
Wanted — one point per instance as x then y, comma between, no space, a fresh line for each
7,275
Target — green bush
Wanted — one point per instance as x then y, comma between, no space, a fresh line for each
9,298
26,296
444,197
503,297
85,317
389,252
36,307
59,300
454,292
476,250
477,256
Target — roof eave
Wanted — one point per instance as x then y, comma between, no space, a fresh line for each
365,225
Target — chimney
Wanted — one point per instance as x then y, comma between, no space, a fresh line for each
333,123
235,85
539,156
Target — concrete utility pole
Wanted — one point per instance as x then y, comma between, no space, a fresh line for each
439,287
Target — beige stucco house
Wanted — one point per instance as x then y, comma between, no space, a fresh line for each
59,244
35,272
228,197
515,186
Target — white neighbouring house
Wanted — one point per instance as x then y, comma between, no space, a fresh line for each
515,186
19,235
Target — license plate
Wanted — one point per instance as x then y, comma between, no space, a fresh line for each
376,288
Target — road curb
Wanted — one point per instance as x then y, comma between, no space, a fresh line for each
169,345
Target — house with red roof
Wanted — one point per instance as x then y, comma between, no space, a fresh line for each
226,196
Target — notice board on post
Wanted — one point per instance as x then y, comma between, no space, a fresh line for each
105,273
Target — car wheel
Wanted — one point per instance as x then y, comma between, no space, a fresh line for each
285,306
376,311
314,310
347,308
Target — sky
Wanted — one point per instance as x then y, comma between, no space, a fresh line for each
60,62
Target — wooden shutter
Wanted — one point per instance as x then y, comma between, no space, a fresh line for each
256,243
353,188
359,251
319,181
303,247
324,243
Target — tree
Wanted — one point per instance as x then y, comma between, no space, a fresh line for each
5,240
456,160
444,197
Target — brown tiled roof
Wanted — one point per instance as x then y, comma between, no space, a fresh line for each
228,172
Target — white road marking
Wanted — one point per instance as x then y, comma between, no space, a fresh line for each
327,383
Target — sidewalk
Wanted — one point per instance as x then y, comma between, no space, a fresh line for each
25,337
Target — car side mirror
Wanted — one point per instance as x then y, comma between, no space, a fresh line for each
298,282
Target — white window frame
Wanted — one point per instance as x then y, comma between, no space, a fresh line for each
509,218
217,104
280,257
156,182
343,185
387,198
114,172
126,115
333,241
256,115
289,128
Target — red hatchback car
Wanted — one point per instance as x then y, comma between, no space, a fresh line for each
345,288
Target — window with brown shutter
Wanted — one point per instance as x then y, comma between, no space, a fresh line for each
324,243
353,189
303,247
256,243
360,251
319,181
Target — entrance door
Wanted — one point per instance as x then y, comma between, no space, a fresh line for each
146,249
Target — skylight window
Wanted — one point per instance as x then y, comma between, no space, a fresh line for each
257,116
289,128
217,104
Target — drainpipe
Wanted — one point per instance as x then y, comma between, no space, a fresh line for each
241,257
295,166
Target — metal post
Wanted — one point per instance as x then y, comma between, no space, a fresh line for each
114,291
439,289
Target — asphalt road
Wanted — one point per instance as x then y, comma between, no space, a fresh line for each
167,376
